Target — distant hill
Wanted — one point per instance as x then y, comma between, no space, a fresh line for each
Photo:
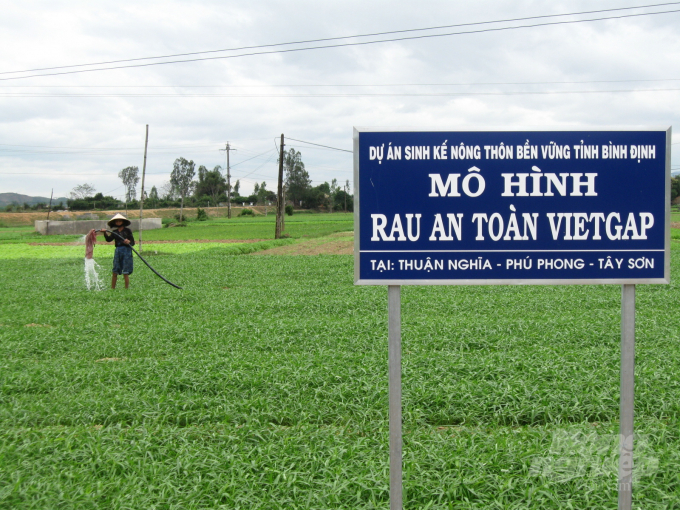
16,198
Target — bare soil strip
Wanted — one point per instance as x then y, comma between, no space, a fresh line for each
341,243
21,219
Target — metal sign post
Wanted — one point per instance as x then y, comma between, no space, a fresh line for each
394,362
627,393
512,208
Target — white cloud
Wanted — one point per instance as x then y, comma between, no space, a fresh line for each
44,34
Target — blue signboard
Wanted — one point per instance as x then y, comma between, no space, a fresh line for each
511,207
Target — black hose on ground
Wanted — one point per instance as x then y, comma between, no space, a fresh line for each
147,264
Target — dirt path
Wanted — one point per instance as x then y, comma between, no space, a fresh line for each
341,243
25,219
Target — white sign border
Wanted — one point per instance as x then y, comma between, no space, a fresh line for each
549,281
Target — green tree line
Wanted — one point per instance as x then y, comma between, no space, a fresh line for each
189,186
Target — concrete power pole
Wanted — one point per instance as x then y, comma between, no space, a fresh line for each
279,196
49,208
228,148
141,197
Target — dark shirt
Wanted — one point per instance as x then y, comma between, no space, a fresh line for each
126,233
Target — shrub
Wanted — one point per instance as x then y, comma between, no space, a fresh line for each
289,210
246,212
185,219
201,215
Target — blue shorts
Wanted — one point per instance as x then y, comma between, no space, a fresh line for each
122,260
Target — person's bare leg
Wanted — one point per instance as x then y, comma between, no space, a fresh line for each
113,280
127,280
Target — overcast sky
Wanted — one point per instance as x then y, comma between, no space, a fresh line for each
63,130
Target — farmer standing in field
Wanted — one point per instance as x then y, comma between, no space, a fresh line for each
122,257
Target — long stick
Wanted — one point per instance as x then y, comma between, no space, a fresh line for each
141,198
147,264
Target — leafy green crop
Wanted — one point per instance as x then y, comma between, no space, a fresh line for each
263,384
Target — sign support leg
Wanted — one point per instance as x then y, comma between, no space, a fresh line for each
394,350
627,392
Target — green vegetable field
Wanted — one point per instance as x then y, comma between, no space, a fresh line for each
263,384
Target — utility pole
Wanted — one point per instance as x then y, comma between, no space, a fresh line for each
346,191
228,148
49,208
279,196
141,198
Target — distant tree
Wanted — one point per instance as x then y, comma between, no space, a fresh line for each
256,188
217,184
344,201
210,183
167,191
263,193
317,196
82,191
675,187
130,177
182,179
297,178
334,189
237,187
153,196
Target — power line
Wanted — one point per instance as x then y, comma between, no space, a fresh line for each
340,45
314,85
105,148
326,39
8,153
54,174
245,160
350,95
265,162
319,145
96,150
115,189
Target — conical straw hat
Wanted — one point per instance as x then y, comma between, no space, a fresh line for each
112,222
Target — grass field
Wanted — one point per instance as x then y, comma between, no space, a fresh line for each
18,219
260,227
263,384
